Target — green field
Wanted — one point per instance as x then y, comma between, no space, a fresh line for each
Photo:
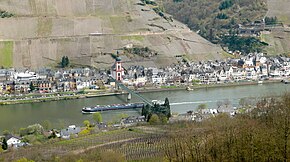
6,54
139,38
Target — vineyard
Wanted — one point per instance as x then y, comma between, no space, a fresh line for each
147,147
130,143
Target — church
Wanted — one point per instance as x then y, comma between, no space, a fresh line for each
117,70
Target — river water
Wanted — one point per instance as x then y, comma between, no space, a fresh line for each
67,112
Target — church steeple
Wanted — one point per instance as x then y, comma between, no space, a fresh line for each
119,70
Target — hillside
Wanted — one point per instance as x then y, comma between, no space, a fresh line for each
212,19
42,31
215,18
279,38
280,9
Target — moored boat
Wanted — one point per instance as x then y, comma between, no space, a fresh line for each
189,89
93,109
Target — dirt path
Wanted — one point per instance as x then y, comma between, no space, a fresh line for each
79,151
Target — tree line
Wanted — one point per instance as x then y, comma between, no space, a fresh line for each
260,135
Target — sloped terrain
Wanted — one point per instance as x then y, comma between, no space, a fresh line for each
214,18
279,37
278,40
280,9
42,31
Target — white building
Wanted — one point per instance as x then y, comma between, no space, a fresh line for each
12,140
25,76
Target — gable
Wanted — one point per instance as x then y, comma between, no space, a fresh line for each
13,141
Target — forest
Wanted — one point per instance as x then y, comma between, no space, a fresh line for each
216,18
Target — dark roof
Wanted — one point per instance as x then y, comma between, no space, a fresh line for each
118,59
102,125
7,137
133,119
69,131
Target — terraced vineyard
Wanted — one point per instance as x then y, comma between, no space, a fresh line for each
132,144
88,32
148,147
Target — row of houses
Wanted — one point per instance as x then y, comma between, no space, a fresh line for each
47,81
251,67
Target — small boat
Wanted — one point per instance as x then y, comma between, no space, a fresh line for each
189,89
260,82
93,109
285,81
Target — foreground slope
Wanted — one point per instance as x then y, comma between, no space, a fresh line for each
45,30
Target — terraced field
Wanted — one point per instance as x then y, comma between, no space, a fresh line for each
279,8
42,31
133,145
279,38
278,41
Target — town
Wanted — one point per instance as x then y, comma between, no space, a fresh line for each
253,67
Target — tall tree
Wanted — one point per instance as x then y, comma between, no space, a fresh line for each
167,107
4,144
146,111
31,87
64,62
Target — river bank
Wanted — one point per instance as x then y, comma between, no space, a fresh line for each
205,86
25,100
68,112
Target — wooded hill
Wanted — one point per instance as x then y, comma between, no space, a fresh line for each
215,17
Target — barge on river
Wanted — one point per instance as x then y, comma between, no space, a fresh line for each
93,109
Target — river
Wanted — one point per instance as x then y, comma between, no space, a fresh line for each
67,112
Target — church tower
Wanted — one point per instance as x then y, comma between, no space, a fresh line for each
118,70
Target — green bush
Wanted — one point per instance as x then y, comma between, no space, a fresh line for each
5,14
226,4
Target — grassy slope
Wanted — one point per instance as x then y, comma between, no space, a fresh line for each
278,40
6,54
279,8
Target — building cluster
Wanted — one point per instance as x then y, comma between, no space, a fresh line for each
253,67
251,29
72,131
48,81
